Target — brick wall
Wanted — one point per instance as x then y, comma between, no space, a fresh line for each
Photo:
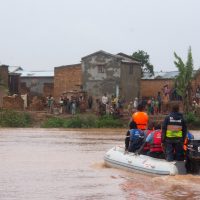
13,102
150,88
67,78
196,81
23,88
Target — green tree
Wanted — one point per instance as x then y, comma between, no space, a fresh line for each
143,57
184,79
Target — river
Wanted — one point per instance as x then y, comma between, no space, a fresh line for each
59,164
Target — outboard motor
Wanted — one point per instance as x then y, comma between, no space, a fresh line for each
193,156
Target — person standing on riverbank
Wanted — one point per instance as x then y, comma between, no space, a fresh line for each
174,131
90,102
159,99
73,107
104,101
135,103
50,103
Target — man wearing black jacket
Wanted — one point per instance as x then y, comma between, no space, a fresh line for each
174,131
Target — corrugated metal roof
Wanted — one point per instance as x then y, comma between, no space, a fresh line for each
14,69
37,73
128,59
122,56
99,52
163,75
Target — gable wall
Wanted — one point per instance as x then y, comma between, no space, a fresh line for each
95,83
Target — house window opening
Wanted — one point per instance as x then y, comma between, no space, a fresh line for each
101,68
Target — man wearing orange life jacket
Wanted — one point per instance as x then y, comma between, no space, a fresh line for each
140,118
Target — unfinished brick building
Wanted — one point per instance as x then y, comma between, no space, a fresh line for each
67,78
150,86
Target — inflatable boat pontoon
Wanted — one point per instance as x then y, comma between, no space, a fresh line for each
116,157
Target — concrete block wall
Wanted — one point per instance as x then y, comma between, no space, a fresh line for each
130,82
4,81
37,85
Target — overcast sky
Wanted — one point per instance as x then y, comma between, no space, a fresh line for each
43,34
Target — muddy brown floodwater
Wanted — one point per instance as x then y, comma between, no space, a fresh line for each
51,164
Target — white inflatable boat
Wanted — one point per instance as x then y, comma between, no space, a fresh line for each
116,157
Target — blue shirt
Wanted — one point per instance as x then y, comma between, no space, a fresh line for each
190,136
149,138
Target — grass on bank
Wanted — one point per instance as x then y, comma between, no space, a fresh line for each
11,118
91,121
193,121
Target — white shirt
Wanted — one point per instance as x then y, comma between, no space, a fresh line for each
104,99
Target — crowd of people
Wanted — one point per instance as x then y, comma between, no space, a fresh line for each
164,141
154,105
113,106
102,106
66,105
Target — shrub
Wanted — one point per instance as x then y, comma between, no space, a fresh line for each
90,121
190,117
11,118
75,122
83,122
192,120
108,121
53,122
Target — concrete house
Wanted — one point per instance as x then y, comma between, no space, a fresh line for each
4,75
118,75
